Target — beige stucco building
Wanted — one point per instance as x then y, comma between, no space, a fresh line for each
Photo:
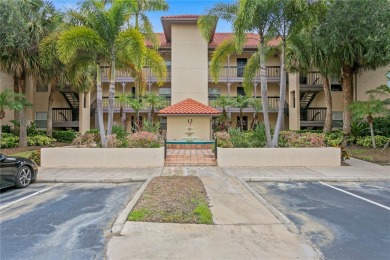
187,57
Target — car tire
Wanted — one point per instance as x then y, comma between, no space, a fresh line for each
23,177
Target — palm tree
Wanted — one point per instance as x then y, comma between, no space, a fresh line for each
247,16
79,75
257,106
21,59
153,100
137,106
223,102
368,110
12,101
123,99
241,102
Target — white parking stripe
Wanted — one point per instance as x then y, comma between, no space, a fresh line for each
356,196
27,197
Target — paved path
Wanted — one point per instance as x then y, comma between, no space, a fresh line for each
244,228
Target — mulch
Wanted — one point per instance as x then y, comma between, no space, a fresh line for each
8,151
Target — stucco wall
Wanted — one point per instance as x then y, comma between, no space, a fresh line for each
279,157
102,157
189,64
177,125
369,80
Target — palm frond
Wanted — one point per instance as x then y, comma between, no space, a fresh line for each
132,44
157,64
220,55
252,66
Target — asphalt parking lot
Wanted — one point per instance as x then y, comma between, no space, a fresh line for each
342,220
61,221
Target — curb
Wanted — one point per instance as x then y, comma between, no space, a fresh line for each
89,180
121,219
279,215
315,179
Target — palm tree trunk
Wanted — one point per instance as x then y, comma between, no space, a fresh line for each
347,77
264,91
22,114
49,123
282,98
111,99
328,104
371,123
386,146
99,105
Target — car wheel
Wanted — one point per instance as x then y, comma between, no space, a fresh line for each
23,178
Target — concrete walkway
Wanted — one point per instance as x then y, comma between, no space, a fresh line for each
244,228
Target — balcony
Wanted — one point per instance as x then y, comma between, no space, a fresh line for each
311,81
145,105
273,104
65,117
125,76
236,74
313,117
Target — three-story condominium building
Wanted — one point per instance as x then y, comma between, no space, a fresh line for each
190,95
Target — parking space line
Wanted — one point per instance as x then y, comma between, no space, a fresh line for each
24,198
356,196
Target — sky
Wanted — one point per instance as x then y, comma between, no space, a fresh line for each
175,7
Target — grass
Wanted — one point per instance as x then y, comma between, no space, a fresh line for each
173,199
25,154
370,154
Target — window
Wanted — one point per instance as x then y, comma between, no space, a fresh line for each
388,79
335,84
165,92
337,119
41,87
214,93
41,119
240,91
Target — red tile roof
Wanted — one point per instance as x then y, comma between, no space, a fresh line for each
252,40
188,107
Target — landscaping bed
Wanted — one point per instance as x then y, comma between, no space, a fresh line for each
370,154
173,199
19,151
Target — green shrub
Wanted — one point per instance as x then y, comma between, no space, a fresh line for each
151,127
65,136
223,139
9,141
119,131
334,139
259,137
96,135
36,157
305,139
365,141
382,126
40,140
143,140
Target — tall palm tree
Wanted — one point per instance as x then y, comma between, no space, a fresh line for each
21,60
223,102
247,16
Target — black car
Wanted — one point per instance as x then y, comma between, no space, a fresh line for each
16,171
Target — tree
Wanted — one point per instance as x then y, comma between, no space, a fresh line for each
10,100
153,100
105,35
257,106
354,44
137,106
289,17
368,110
247,16
241,102
58,74
223,102
20,57
123,99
